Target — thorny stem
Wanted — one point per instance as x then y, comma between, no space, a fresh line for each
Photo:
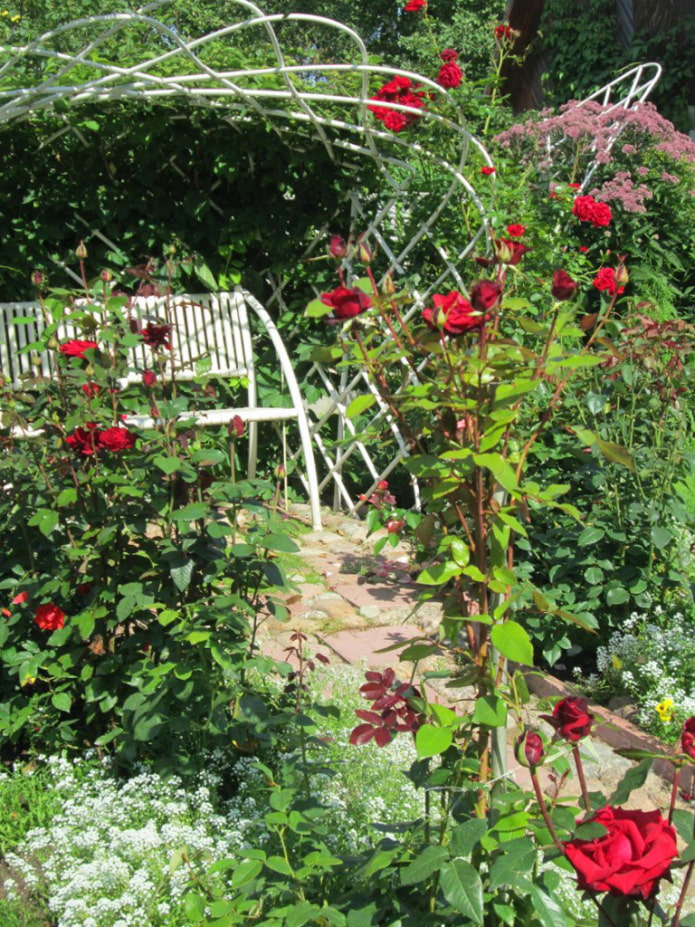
544,810
684,889
582,779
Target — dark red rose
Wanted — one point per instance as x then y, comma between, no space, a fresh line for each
116,439
157,336
606,282
453,314
564,287
571,718
504,33
49,617
450,75
84,440
630,858
688,738
485,294
149,378
448,54
510,251
91,390
235,428
76,347
346,303
529,750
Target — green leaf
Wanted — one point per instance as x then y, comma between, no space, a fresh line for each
168,464
301,913
513,642
279,864
465,836
181,574
615,453
316,309
194,907
633,779
439,573
463,889
500,469
46,520
282,543
246,871
590,535
191,512
204,274
661,536
490,711
61,701
359,404
422,867
547,910
431,740
616,595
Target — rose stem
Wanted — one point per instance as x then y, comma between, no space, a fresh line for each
582,780
684,889
544,810
674,794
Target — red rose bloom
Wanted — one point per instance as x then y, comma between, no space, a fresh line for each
515,231
49,617
402,91
586,209
571,718
84,440
76,348
345,303
157,336
116,439
414,6
487,170
450,75
453,314
564,287
485,294
149,377
510,251
606,282
449,54
504,33
90,390
20,598
628,860
337,247
688,738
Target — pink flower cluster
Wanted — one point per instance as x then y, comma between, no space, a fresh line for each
402,92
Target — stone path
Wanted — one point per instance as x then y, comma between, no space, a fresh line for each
356,605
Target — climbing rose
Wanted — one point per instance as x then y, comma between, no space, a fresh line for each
453,314
49,617
345,303
402,91
450,75
688,738
414,6
606,282
157,336
76,348
630,858
564,287
116,439
485,294
516,231
586,209
571,718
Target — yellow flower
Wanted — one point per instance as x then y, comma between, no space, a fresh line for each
5,13
665,709
616,662
15,18
29,680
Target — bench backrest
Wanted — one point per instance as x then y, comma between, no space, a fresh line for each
210,335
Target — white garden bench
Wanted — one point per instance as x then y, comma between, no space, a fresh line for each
210,337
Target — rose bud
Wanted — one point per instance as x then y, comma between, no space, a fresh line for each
337,247
529,749
364,252
688,738
37,278
622,277
395,525
571,718
564,287
149,377
485,294
235,428
106,276
81,251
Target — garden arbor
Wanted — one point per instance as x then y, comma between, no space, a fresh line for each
419,176
415,207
